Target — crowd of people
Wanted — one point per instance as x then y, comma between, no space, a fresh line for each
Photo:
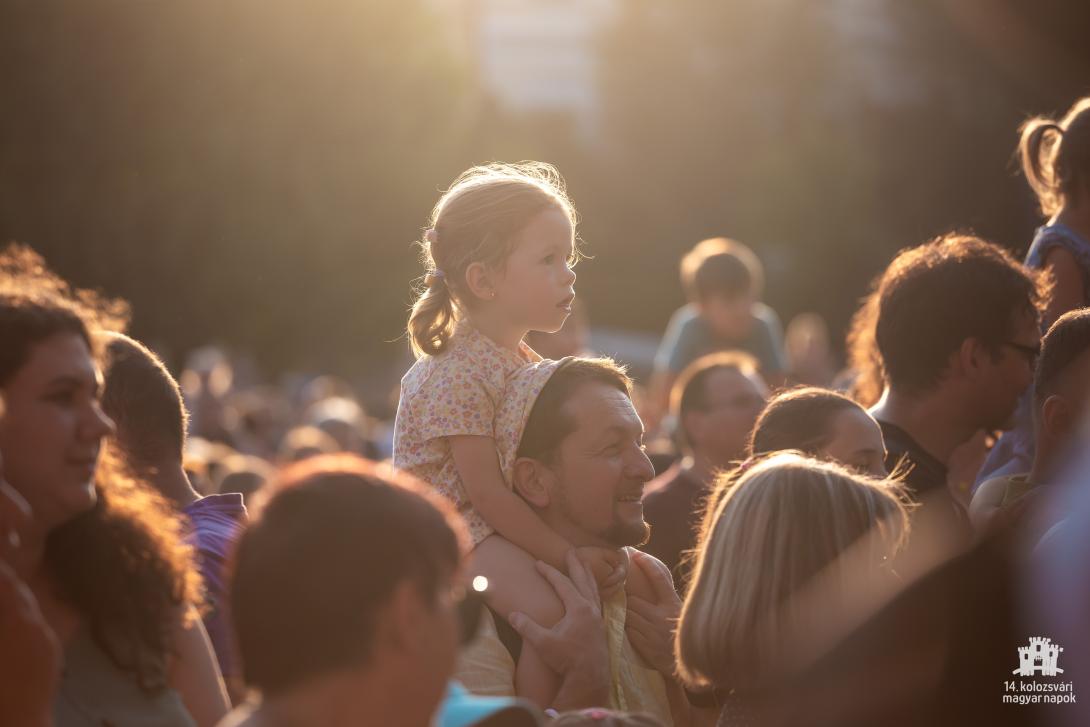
751,538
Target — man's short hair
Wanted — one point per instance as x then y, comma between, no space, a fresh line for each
144,401
1066,340
690,391
548,423
933,297
321,559
720,267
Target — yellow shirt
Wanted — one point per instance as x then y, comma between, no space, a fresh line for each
485,666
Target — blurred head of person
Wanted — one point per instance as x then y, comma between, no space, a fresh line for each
809,354
822,424
723,279
1061,388
787,522
341,418
715,402
571,340
306,441
88,517
246,475
1056,158
475,234
145,403
957,318
345,594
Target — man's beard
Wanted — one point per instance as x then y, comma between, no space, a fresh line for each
619,532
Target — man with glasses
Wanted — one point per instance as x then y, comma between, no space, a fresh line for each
957,335
714,404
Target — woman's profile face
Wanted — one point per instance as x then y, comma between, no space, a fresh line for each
856,442
53,427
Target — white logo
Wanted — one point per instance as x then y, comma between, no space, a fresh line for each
1039,657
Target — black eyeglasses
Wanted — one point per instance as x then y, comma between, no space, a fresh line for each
1032,353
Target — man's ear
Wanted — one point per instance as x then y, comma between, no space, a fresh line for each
1057,416
532,480
480,281
971,358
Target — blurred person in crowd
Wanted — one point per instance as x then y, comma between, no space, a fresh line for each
206,382
346,421
103,554
714,404
823,424
1055,157
576,458
1060,394
498,259
145,404
956,327
723,281
256,420
787,524
306,441
246,475
322,648
808,350
572,339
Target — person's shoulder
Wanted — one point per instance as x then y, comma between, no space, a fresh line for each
765,315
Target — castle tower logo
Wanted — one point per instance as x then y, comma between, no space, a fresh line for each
1040,657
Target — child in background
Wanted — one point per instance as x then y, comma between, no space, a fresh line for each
498,258
1056,161
723,281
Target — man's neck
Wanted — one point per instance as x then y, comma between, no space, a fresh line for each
935,420
172,482
344,700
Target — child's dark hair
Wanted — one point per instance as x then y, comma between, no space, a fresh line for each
1056,155
720,267
476,220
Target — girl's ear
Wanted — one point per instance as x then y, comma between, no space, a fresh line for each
479,281
532,481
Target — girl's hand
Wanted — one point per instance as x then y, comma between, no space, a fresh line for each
610,567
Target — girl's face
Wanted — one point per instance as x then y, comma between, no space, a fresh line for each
536,287
53,428
857,442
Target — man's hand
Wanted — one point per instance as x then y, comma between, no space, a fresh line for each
575,648
650,626
608,566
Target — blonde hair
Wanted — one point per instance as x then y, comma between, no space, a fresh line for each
782,523
1056,155
476,221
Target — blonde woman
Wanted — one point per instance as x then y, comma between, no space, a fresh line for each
778,554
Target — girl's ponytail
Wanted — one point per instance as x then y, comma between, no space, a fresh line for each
1038,149
1056,157
431,323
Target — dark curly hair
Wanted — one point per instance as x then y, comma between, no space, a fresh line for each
933,297
122,564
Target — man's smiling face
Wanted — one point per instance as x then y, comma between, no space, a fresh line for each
600,470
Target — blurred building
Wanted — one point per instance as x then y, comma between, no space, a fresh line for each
536,56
